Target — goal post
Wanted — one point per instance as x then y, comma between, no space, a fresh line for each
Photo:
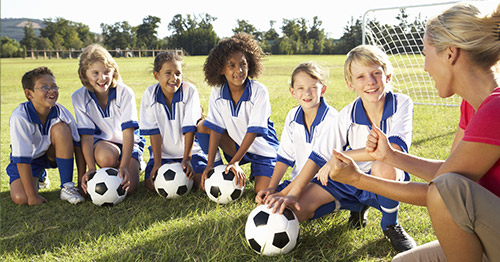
399,31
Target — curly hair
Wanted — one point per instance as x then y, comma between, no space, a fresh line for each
221,53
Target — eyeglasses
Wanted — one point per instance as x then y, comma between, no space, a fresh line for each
47,88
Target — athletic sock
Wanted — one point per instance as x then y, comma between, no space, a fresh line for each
65,167
389,210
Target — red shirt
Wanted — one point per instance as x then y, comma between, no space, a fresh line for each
484,127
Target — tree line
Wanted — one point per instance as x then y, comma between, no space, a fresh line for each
195,35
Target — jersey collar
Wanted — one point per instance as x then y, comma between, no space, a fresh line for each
160,98
320,115
33,116
359,116
226,93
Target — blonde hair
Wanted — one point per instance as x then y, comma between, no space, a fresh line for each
464,26
310,68
366,55
96,53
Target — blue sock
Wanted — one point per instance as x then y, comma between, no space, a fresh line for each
65,167
204,141
324,210
389,210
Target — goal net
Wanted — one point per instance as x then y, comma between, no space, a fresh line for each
399,31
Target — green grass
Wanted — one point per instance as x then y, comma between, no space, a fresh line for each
147,227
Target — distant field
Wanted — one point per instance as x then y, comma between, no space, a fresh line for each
146,227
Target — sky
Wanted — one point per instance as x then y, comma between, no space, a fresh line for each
335,15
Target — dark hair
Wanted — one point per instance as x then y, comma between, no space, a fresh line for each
220,54
164,57
30,77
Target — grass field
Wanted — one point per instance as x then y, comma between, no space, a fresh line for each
146,227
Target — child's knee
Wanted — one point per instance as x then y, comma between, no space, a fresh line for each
60,129
380,169
19,198
106,160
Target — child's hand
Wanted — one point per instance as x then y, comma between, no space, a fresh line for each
343,169
278,203
377,144
123,172
324,172
262,195
204,175
188,169
36,200
85,179
238,172
154,171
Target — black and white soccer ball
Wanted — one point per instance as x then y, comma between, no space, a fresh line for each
171,181
221,187
104,187
270,233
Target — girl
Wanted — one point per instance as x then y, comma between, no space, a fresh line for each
462,52
106,114
239,110
170,110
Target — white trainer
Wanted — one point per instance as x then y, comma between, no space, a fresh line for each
44,181
70,193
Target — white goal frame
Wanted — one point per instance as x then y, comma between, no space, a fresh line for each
404,49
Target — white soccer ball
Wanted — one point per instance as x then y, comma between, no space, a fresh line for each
270,233
104,187
171,181
221,187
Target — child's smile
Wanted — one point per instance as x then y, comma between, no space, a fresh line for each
236,70
100,77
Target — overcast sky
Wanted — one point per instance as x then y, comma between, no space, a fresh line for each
334,14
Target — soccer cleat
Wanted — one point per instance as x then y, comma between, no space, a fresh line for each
70,193
357,220
400,240
44,181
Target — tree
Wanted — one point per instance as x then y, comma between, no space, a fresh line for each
245,27
66,34
119,35
196,37
10,47
146,32
30,39
352,37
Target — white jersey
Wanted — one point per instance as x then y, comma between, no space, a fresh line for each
106,123
354,126
297,142
171,122
250,115
30,139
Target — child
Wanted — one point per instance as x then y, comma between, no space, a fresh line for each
303,125
42,135
106,116
239,110
368,72
170,110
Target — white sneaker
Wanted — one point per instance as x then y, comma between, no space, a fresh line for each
44,182
70,193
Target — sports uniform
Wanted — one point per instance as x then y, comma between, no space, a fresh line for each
30,139
108,123
250,115
172,123
351,133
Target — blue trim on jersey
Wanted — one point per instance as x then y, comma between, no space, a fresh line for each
20,159
111,96
86,131
271,137
35,119
160,98
320,116
285,161
226,94
261,131
399,141
359,115
214,127
149,132
130,124
317,159
188,129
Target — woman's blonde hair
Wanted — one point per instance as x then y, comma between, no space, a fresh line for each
96,53
366,55
464,26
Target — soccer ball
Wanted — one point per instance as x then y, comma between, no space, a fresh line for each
270,233
104,187
221,187
171,181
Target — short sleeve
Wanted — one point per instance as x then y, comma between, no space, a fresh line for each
84,123
20,137
148,124
286,152
400,131
128,109
192,112
214,119
261,111
466,113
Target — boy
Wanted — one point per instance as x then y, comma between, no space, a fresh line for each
42,134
